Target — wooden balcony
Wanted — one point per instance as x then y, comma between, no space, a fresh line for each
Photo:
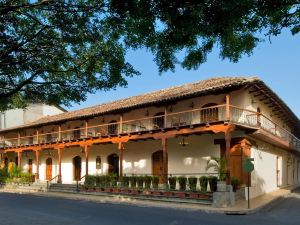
259,124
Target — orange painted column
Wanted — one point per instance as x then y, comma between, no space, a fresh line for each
59,151
228,144
120,148
165,160
19,159
86,151
37,161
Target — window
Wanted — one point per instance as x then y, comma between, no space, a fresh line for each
98,162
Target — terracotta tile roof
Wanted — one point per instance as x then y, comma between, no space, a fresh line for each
204,87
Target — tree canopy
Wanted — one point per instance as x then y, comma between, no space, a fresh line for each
57,51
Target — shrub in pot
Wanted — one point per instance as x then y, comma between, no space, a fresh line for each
147,180
192,183
235,183
113,180
140,182
125,181
155,181
182,180
203,183
172,183
213,181
90,181
133,180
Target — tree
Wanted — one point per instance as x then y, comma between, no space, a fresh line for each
57,51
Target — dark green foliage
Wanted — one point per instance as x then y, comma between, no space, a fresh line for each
90,180
133,181
192,183
213,180
140,181
182,180
147,180
113,179
172,183
125,181
203,183
155,181
58,51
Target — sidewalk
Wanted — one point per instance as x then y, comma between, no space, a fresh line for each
257,204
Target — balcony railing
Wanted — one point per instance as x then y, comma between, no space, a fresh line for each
207,115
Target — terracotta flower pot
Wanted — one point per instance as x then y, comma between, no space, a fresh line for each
180,194
194,195
156,193
168,193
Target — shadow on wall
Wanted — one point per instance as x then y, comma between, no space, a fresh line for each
257,186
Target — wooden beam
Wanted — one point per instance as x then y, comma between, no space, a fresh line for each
86,151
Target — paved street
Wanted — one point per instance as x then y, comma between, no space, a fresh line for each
26,209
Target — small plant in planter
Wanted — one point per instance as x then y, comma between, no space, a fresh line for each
172,183
192,183
113,180
155,181
133,180
125,181
147,180
89,182
182,180
235,183
140,182
213,181
203,183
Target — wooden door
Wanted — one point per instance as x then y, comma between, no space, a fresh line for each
77,168
113,164
30,166
49,169
157,164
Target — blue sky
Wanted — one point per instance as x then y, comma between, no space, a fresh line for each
276,63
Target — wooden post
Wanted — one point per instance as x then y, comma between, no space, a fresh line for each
59,132
121,124
86,151
86,128
37,137
37,161
228,143
165,160
19,159
120,148
19,139
227,107
59,151
165,117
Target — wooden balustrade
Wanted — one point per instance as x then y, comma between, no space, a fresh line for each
219,113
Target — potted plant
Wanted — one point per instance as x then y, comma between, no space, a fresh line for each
203,183
133,180
125,181
213,181
172,183
147,180
192,183
182,180
219,166
235,183
155,181
140,182
89,182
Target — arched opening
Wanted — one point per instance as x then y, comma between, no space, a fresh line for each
76,133
77,168
209,113
157,164
113,164
112,127
159,120
48,169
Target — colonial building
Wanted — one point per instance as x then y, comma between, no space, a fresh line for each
171,131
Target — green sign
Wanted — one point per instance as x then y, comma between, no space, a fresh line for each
248,166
